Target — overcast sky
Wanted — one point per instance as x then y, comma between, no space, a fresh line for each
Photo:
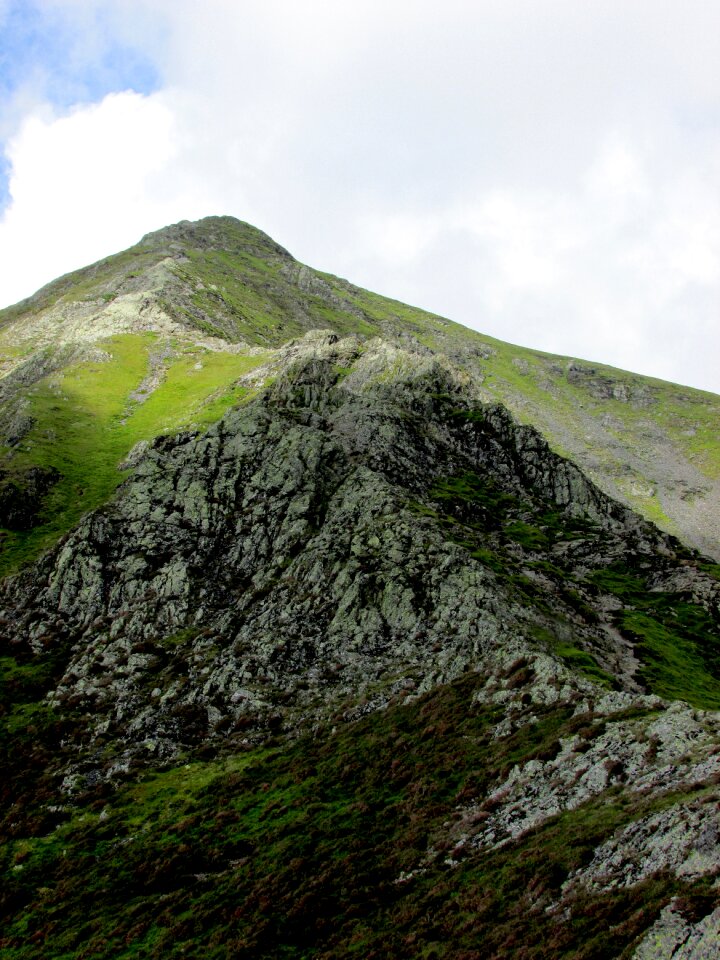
546,171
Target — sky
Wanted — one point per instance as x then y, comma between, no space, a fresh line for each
544,171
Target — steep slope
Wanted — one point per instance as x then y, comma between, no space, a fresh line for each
154,340
363,669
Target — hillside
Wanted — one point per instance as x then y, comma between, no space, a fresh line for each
154,340
312,649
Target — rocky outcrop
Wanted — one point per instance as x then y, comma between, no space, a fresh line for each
22,493
294,557
365,640
675,936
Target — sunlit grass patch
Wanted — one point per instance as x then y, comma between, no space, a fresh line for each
90,416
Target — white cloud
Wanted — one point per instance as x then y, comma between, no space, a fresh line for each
621,266
87,184
548,173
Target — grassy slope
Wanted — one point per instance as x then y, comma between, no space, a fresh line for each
676,641
541,396
296,851
87,421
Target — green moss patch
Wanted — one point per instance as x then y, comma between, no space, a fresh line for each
584,663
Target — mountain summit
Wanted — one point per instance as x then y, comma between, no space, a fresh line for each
331,628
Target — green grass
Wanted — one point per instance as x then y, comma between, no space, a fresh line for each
693,427
584,663
294,850
678,641
536,388
680,663
22,683
485,519
574,657
182,637
87,422
527,535
238,310
197,390
481,493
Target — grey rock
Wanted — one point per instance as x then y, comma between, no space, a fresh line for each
673,937
288,566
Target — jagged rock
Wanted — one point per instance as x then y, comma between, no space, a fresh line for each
684,839
674,937
280,556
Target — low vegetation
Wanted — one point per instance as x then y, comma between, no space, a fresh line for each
676,640
323,847
90,415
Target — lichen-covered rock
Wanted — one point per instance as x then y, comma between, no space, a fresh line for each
638,744
289,560
684,839
675,937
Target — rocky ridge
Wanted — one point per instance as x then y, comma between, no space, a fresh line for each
291,527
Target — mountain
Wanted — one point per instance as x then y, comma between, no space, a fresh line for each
109,355
329,628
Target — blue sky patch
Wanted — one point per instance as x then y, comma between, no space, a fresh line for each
4,177
63,57
72,59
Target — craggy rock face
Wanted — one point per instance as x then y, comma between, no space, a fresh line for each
321,545
288,559
674,935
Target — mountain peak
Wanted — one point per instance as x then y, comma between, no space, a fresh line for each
214,233
222,284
